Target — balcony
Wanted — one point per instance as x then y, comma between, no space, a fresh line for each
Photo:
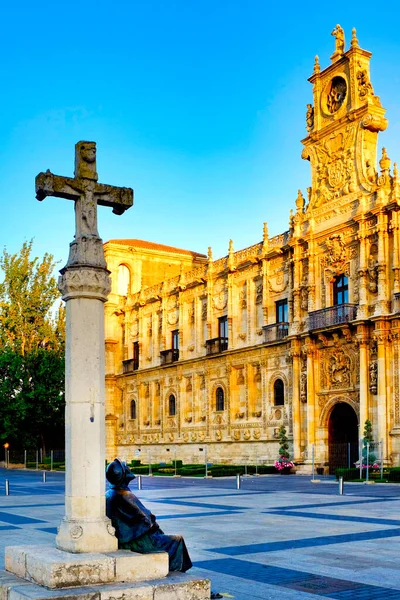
130,365
169,356
334,315
217,345
275,332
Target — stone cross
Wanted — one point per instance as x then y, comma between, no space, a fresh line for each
85,285
87,194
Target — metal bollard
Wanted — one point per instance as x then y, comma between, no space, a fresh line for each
341,486
238,482
139,482
44,476
7,487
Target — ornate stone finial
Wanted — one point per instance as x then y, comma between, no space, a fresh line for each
231,258
395,172
209,254
291,219
300,202
182,279
309,117
265,232
385,161
317,66
338,33
354,40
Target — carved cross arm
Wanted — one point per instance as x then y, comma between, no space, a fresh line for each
48,184
119,198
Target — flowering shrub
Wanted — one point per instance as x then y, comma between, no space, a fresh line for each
283,463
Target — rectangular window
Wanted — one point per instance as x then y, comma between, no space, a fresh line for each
223,327
340,290
282,314
223,333
135,355
175,339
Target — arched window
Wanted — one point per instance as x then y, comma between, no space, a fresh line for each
123,280
133,409
340,290
172,406
279,392
219,399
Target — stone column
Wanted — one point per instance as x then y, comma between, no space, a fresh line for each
382,338
85,526
363,344
295,352
310,396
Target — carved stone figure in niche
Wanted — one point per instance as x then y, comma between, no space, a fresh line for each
191,314
373,377
364,84
338,33
309,117
303,387
339,369
304,298
370,171
240,377
259,292
243,297
373,275
204,311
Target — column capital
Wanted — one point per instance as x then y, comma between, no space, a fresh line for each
84,282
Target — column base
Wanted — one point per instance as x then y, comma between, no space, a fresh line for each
55,569
82,535
178,586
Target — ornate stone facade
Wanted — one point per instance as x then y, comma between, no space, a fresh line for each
222,352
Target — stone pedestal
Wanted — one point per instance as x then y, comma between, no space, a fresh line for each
177,586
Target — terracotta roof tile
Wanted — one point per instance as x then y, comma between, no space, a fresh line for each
154,246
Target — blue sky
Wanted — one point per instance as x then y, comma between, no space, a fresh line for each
197,105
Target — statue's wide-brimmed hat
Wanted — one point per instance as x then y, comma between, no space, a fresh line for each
116,472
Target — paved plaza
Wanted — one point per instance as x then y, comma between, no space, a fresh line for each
277,537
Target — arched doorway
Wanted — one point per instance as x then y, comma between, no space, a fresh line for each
343,437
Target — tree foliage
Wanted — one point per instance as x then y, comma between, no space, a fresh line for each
32,335
283,442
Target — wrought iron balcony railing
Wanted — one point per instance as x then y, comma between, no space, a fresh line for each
275,332
169,356
334,315
217,345
130,365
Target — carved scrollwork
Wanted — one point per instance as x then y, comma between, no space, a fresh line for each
84,282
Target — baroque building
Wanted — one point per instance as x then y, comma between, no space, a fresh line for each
301,329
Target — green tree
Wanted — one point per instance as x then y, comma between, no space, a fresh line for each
28,293
283,443
368,439
32,338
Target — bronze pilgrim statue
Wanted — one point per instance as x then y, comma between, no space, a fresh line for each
135,526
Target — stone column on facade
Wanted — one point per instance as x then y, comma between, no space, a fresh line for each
363,345
310,350
396,264
382,304
85,285
362,309
311,269
382,338
296,425
295,325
